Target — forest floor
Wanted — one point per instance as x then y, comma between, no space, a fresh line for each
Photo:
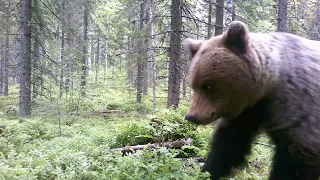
54,144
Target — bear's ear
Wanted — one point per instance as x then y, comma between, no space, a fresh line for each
236,37
192,46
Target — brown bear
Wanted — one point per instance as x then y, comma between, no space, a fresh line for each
258,81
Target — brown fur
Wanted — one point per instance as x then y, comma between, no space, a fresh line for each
258,81
230,73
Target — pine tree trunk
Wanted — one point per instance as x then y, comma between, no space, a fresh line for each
6,61
40,68
130,78
68,55
282,15
1,65
209,18
113,66
140,59
62,48
106,55
68,73
97,64
229,13
318,21
91,58
120,60
233,13
167,72
85,49
7,50
146,64
124,53
152,57
25,59
69,80
68,64
219,17
174,54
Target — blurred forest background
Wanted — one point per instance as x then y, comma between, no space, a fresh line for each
81,78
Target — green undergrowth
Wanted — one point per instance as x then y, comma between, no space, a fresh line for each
37,148
72,138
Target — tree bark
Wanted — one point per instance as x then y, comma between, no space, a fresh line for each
167,71
85,49
97,63
69,63
318,21
25,60
69,56
68,73
41,69
146,60
130,78
210,18
123,55
174,55
91,59
139,58
106,55
120,58
1,65
7,52
6,72
62,48
113,65
152,57
229,13
219,17
282,15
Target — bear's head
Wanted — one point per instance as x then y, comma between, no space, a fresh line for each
223,74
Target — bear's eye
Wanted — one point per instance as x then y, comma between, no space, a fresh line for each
206,87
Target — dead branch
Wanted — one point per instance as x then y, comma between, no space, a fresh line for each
106,111
172,145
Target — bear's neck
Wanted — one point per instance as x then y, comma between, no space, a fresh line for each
266,64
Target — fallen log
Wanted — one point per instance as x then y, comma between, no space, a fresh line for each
172,144
110,111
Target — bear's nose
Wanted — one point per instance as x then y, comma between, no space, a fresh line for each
191,118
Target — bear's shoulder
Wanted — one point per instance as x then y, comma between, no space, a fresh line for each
289,41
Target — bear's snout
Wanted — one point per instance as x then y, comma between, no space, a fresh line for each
201,120
191,118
